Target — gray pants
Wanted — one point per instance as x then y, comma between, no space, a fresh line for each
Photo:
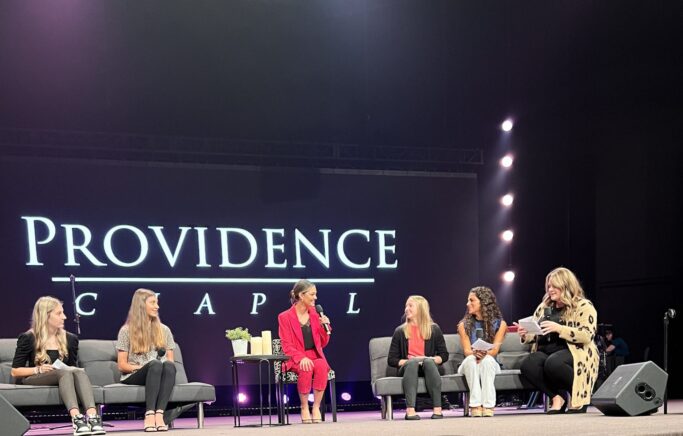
73,384
410,373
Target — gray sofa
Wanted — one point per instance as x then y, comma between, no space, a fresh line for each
98,358
386,383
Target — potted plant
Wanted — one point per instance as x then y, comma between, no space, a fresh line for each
240,338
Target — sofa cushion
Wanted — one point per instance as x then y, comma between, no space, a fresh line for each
7,347
24,395
120,393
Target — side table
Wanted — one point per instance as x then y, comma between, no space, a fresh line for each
268,360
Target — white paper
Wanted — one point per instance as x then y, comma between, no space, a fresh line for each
481,345
58,364
530,325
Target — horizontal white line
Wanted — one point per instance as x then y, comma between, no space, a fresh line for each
203,280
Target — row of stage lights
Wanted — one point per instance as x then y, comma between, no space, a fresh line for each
506,201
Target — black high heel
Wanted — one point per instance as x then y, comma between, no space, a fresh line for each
557,411
579,410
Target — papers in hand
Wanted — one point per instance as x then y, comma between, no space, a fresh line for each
58,364
530,325
481,345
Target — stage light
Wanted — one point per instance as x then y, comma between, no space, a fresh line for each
506,161
509,276
310,398
346,396
285,399
507,235
241,398
507,125
507,200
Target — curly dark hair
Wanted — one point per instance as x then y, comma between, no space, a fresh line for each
489,312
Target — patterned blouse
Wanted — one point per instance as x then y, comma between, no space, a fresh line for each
123,344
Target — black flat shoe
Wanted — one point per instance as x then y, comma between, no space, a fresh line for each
579,410
437,415
412,417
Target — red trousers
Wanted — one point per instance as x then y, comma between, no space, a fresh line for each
317,378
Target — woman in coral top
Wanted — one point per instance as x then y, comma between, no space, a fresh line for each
303,337
418,349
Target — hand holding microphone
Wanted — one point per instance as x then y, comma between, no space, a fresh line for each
325,321
546,325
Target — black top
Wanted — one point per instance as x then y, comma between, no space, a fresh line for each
309,344
552,342
434,346
25,354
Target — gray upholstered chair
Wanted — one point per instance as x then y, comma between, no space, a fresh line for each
289,377
99,359
386,383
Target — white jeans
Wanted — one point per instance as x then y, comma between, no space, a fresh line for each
480,378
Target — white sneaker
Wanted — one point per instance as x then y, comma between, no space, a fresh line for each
95,423
80,426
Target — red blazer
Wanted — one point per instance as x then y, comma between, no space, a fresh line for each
293,340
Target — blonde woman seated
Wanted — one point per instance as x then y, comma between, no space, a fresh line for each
36,363
418,349
564,358
483,320
141,359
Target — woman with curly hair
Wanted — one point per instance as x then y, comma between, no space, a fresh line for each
565,358
482,320
141,360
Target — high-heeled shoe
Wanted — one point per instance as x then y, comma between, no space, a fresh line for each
477,411
579,410
149,428
561,410
162,427
316,416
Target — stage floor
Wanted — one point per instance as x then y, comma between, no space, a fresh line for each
508,421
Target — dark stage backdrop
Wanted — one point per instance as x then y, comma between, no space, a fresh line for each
401,233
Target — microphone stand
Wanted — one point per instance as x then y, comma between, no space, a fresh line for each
77,316
666,359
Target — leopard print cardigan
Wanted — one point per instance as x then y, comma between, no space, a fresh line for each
580,325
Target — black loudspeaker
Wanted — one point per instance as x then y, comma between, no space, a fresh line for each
633,389
13,423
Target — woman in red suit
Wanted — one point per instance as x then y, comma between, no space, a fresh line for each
303,338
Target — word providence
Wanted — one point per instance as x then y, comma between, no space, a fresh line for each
41,232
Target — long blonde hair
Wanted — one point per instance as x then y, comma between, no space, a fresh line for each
564,280
145,332
41,312
424,318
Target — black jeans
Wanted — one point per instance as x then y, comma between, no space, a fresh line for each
410,373
550,374
158,379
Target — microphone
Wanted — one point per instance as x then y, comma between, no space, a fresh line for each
326,326
77,316
670,313
161,352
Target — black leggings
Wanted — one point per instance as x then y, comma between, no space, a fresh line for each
550,374
158,379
